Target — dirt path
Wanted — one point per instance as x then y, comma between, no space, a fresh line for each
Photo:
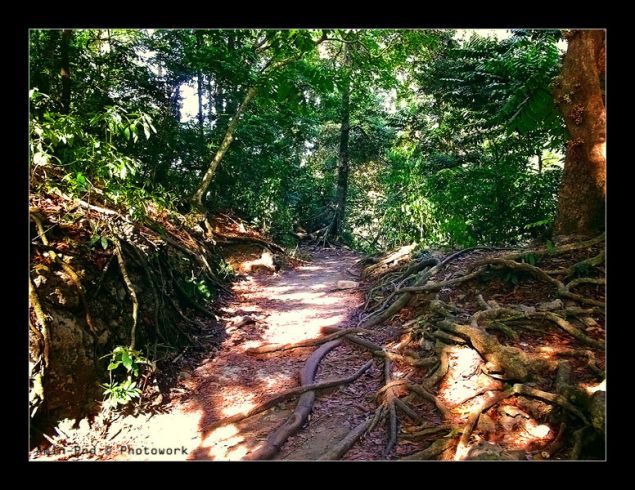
295,305
288,307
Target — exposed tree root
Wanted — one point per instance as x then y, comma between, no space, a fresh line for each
514,362
432,451
389,401
342,447
71,274
586,263
561,249
131,290
40,316
305,403
427,431
562,289
423,393
285,395
462,448
567,327
265,349
379,351
386,311
511,314
504,362
441,371
407,411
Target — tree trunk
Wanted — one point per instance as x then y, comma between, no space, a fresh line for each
197,198
210,101
65,71
219,98
580,97
199,82
175,99
343,159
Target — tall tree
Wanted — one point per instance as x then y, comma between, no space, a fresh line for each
580,97
279,59
199,80
343,160
65,70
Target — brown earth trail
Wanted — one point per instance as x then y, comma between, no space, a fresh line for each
284,308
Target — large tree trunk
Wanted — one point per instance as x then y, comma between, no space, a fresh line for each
199,81
343,160
65,71
580,97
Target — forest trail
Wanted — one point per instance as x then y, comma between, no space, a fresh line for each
285,308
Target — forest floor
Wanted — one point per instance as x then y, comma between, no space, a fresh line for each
287,307
461,395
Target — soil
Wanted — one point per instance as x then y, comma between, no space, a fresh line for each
286,307
295,305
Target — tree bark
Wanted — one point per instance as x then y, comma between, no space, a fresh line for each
579,95
199,82
175,98
210,101
343,158
65,71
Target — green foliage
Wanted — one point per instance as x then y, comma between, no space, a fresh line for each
451,142
121,391
198,289
530,258
582,269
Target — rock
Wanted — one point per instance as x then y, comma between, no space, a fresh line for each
346,285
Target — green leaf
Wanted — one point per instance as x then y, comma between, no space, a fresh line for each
127,362
104,242
114,365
